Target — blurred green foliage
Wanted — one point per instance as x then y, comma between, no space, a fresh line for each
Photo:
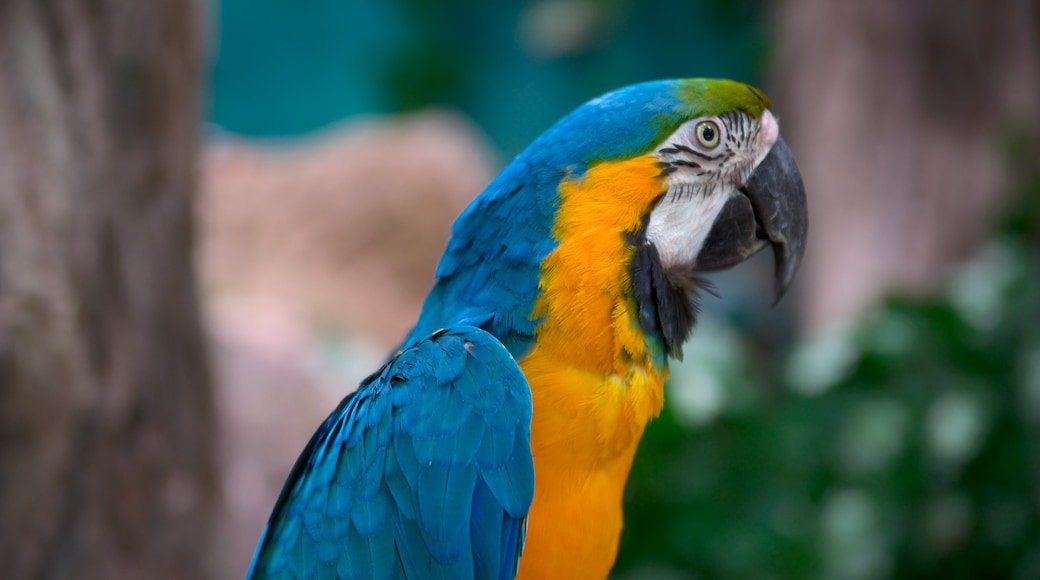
907,445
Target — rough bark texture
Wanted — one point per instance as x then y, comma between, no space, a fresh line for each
897,111
106,418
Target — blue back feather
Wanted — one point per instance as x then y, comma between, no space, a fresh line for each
424,472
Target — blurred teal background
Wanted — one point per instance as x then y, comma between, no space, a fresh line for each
903,442
514,67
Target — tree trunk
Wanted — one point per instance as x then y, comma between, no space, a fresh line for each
107,465
898,112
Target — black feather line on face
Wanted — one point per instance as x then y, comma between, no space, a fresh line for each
667,301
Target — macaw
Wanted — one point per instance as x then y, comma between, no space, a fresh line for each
497,440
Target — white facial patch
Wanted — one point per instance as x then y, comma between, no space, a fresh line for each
680,224
701,180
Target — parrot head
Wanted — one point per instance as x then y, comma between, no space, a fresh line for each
732,187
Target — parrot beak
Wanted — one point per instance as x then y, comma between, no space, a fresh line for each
778,198
769,210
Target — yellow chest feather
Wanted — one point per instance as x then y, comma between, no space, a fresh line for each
593,381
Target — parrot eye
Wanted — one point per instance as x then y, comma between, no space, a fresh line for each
707,134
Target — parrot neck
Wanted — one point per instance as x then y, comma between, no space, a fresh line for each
588,305
589,312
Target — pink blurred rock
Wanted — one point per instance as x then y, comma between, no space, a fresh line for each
342,231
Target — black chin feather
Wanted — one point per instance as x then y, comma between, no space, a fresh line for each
667,301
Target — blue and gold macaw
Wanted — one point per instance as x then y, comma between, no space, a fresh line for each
500,435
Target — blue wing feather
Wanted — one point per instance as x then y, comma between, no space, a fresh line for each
424,472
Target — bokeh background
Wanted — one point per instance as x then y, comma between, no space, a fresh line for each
217,216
